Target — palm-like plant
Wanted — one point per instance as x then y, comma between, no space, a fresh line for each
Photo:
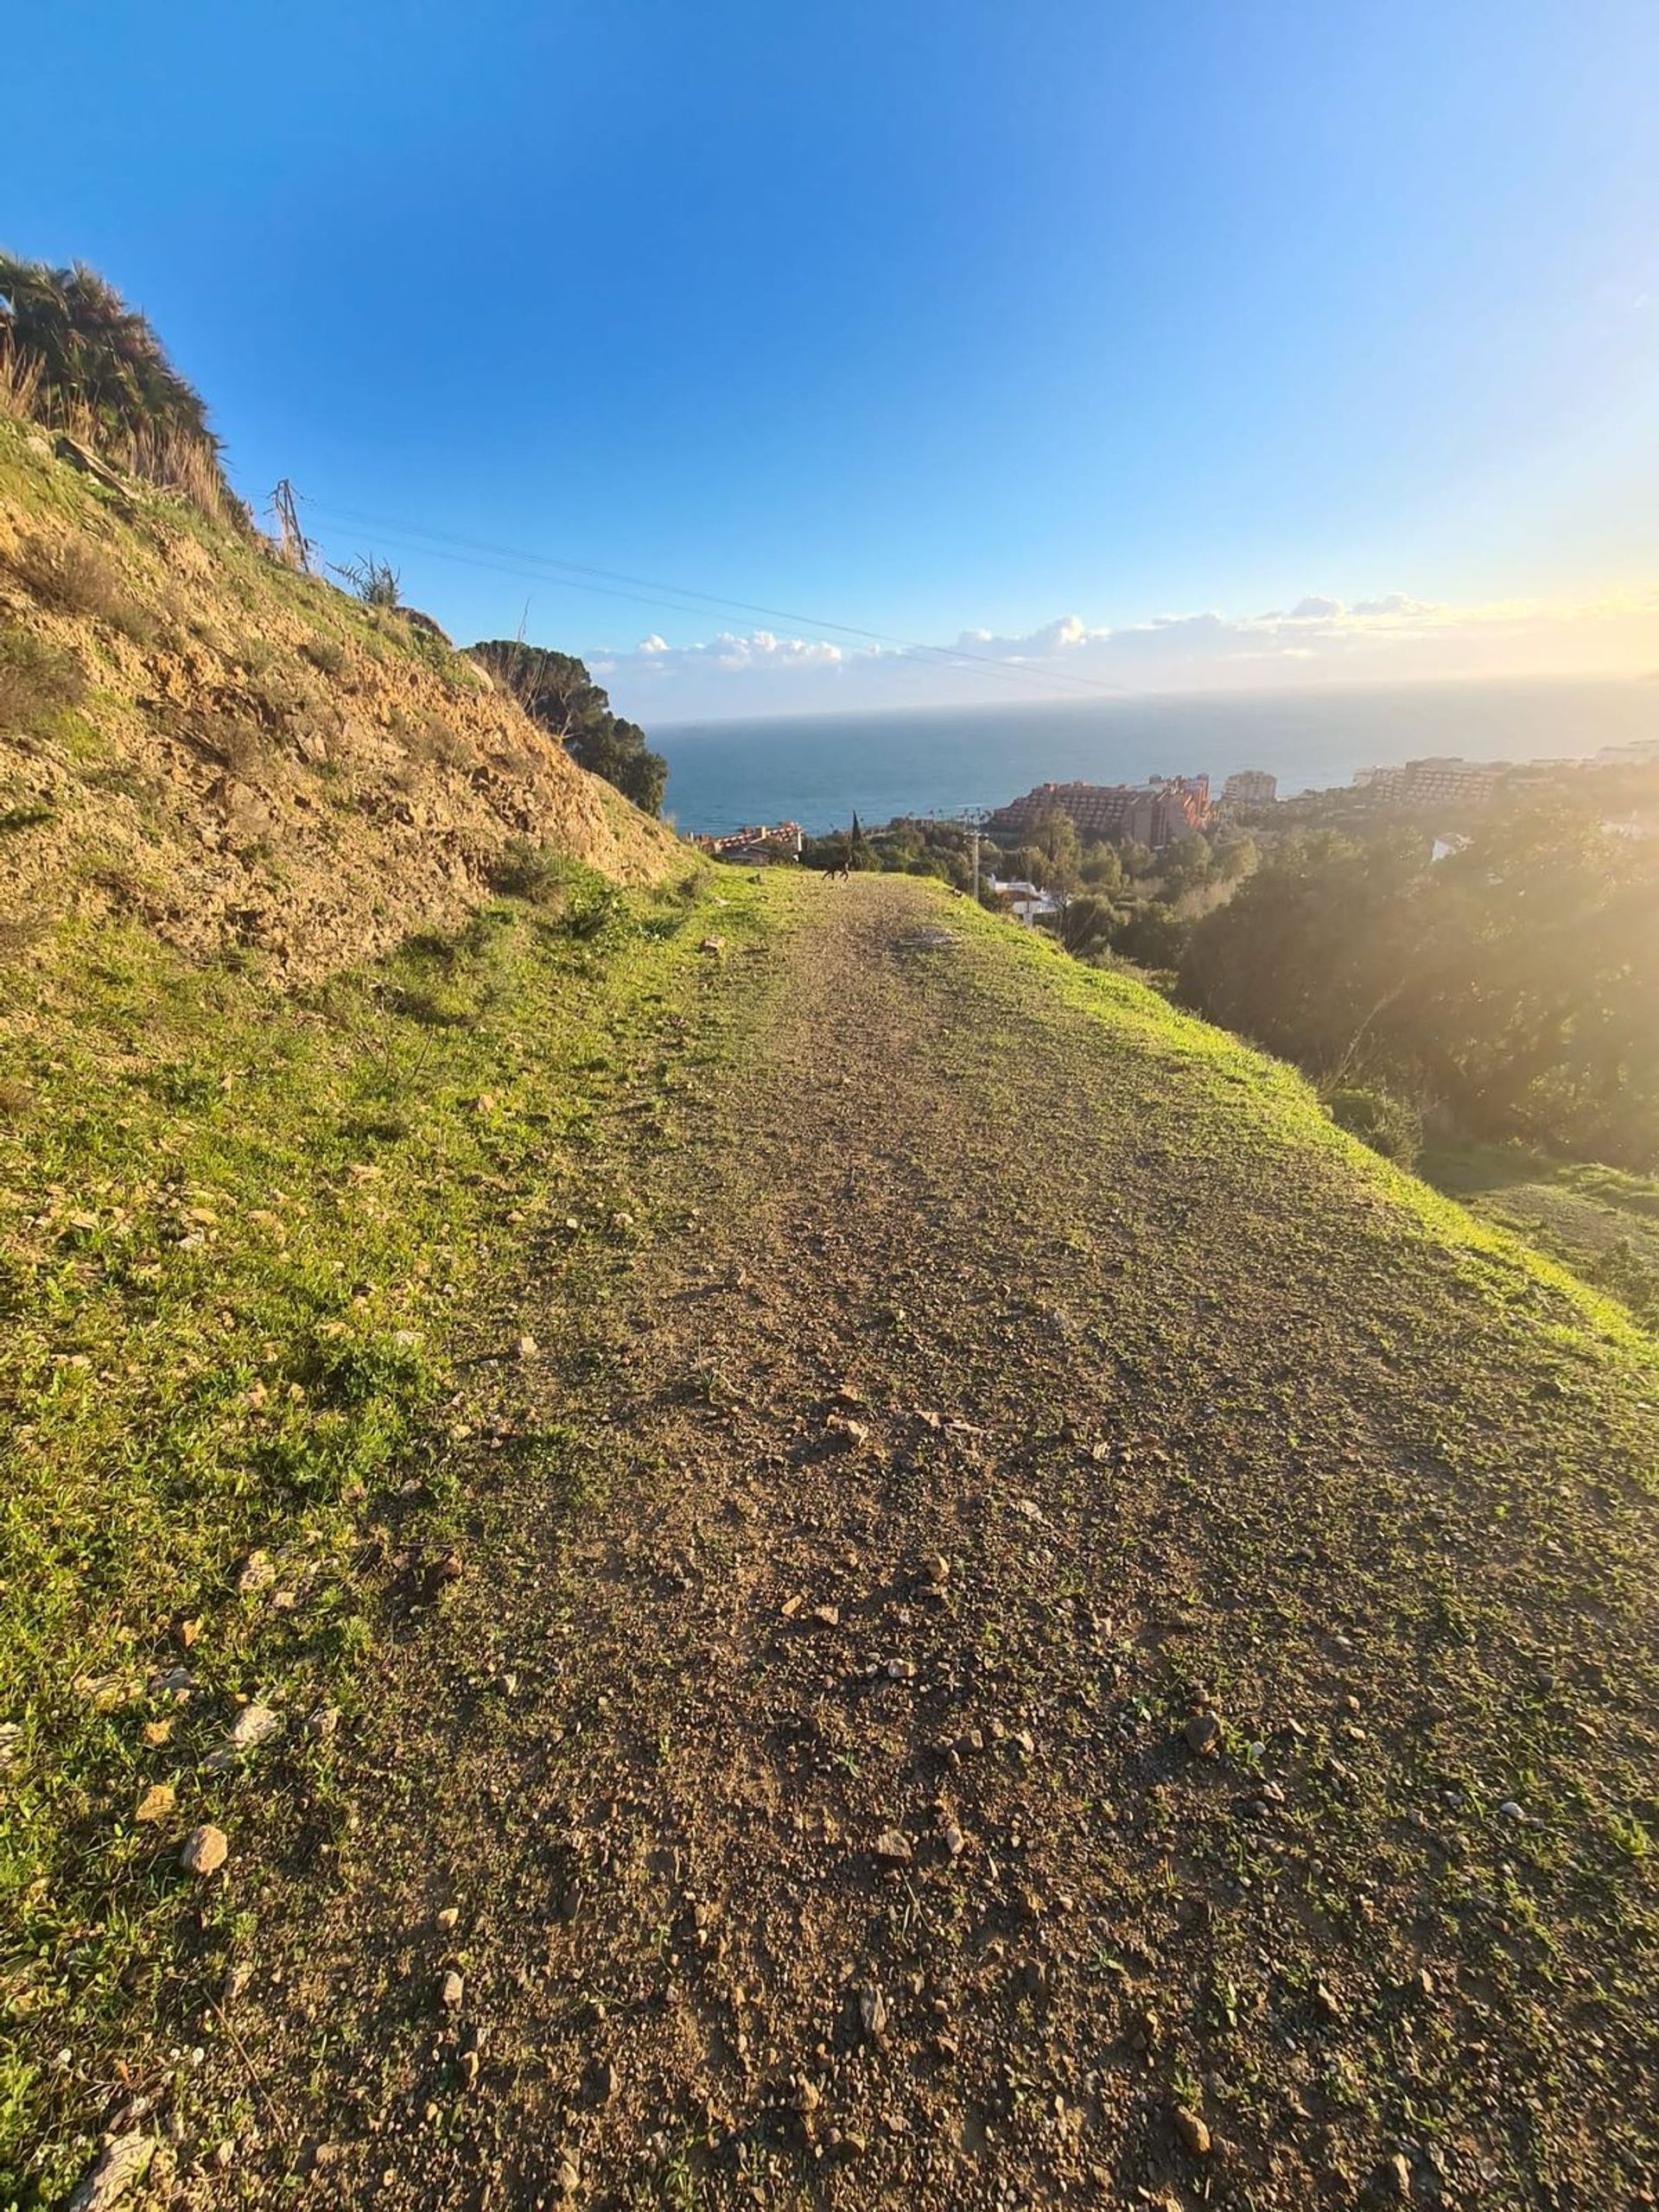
82,360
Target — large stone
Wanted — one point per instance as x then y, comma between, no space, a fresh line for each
205,1849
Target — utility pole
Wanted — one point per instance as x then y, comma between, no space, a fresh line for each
975,818
296,546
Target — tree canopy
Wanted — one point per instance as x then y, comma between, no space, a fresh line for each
1514,982
557,693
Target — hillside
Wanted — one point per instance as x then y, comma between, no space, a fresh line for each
238,756
974,1607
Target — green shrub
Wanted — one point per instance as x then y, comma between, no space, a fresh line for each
1389,1124
532,872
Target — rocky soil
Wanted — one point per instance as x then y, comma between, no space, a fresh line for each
1015,1642
254,761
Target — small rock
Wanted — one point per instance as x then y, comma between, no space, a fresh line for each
1202,1735
873,2013
568,2176
448,1916
451,1990
1394,2179
1509,1810
1326,2003
119,2165
1192,2131
253,1724
527,1346
712,945
954,1841
205,1849
893,1846
155,1803
827,1616
900,1671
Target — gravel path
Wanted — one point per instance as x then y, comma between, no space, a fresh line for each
1013,1646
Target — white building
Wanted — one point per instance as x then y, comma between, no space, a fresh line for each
1025,900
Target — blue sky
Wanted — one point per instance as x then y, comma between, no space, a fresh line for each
1115,334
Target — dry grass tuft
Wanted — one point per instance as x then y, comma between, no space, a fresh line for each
69,576
36,680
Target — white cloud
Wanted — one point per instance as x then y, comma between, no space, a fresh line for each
1394,635
1394,602
1316,610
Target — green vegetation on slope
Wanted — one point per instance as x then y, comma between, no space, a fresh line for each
1514,985
1599,1222
560,697
235,1230
1237,1095
75,357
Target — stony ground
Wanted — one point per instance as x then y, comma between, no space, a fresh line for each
1015,1640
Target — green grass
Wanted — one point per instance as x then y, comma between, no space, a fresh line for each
235,1230
1599,1222
1246,1099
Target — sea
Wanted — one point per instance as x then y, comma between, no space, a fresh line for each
819,770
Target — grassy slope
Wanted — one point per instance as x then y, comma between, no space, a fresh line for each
1244,1089
1598,1222
233,1230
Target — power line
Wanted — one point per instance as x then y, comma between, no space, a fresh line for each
681,598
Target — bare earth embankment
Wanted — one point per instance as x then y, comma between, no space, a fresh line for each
1026,1628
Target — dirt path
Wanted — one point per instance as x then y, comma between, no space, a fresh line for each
806,1750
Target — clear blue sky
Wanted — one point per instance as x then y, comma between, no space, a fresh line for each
920,318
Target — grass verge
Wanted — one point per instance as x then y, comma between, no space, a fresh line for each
235,1233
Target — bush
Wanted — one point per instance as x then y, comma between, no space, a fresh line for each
587,900
326,654
1389,1124
532,872
76,357
36,680
72,578
376,583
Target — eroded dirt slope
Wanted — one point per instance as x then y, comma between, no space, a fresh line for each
244,758
1021,1642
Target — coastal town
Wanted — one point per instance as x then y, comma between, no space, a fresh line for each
1164,810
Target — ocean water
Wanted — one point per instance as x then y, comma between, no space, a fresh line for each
819,769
